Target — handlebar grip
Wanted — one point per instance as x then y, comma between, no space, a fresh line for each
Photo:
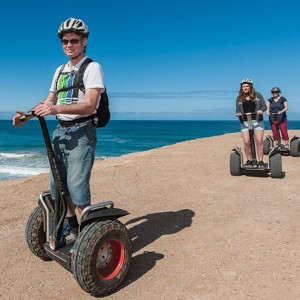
28,114
23,118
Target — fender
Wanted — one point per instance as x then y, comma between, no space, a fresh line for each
270,139
238,151
103,214
294,138
273,152
47,205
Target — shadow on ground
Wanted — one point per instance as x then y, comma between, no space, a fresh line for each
152,226
148,229
140,265
262,174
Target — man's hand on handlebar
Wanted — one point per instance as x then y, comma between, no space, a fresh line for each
45,108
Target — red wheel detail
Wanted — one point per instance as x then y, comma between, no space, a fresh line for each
110,259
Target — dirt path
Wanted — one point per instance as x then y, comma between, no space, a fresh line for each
198,232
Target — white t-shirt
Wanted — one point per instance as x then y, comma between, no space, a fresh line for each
92,78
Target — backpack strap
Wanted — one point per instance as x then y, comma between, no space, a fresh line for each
78,80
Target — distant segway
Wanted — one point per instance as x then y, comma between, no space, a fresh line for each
237,166
102,252
269,143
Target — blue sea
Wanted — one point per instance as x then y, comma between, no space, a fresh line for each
22,151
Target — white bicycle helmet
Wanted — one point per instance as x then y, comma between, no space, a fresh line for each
247,80
73,25
275,89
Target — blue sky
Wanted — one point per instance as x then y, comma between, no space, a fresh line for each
161,59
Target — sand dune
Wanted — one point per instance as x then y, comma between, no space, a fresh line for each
198,232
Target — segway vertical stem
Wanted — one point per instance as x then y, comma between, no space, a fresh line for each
251,134
277,128
60,206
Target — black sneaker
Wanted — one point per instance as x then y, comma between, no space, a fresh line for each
66,230
72,236
261,164
248,163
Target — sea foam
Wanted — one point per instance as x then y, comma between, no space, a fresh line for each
18,155
22,171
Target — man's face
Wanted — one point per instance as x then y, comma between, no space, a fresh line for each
72,44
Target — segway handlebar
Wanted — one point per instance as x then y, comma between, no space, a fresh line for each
248,117
29,113
275,116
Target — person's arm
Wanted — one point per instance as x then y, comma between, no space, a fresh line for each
286,107
87,107
268,108
238,112
262,105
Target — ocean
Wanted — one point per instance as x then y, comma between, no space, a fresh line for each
22,151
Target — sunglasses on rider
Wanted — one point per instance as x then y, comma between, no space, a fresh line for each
72,42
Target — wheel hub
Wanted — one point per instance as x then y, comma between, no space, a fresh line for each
104,255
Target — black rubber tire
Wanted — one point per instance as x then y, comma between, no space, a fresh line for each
276,166
235,164
108,240
295,148
35,235
266,146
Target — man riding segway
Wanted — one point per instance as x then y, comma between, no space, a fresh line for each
102,246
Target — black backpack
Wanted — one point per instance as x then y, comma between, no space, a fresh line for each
103,114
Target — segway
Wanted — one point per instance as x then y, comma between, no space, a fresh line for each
293,149
237,166
102,252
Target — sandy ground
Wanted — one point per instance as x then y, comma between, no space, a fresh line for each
198,232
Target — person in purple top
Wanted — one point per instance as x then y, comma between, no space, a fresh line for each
278,105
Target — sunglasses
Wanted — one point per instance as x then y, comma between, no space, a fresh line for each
72,42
